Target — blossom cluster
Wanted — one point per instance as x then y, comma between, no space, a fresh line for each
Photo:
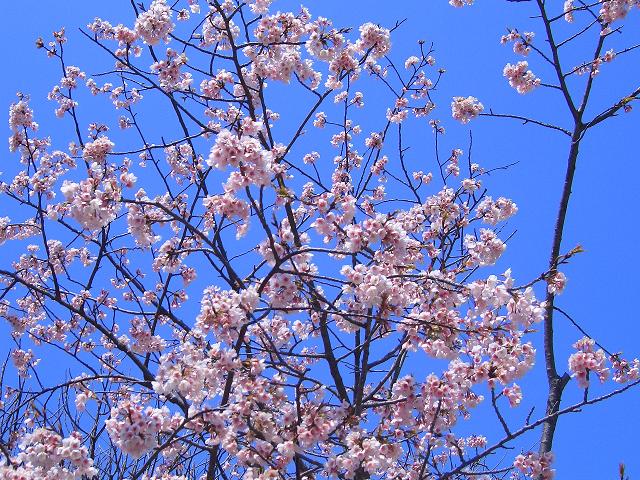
21,116
521,41
465,109
20,120
587,359
255,164
613,10
486,249
169,75
155,24
46,455
520,78
133,428
494,212
537,466
91,206
23,360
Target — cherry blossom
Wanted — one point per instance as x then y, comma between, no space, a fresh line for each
568,11
521,41
533,465
255,163
460,3
155,24
486,249
520,78
23,361
613,10
92,203
586,360
97,150
169,75
21,116
46,455
493,212
465,109
134,429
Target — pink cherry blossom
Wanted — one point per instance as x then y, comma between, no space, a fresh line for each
520,78
533,465
465,109
155,24
46,455
494,212
613,10
486,249
135,429
586,360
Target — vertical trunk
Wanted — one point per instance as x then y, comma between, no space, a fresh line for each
556,382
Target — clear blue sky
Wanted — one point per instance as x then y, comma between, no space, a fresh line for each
603,216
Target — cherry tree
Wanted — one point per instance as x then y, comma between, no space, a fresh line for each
238,295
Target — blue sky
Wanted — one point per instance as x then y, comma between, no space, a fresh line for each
603,215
